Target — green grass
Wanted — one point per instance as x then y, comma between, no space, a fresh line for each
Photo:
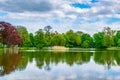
113,48
27,48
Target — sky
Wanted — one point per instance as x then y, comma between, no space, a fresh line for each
89,16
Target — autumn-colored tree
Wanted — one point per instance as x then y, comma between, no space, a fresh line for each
9,34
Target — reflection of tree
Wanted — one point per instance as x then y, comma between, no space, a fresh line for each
39,59
105,58
9,62
117,57
26,57
46,59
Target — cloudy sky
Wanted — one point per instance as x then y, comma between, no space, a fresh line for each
89,16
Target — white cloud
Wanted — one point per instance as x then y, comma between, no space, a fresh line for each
27,15
72,16
63,9
58,13
68,17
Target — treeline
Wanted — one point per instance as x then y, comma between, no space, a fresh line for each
46,38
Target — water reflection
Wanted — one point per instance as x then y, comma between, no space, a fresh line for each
44,59
9,62
107,58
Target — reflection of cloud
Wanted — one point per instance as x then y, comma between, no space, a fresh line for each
65,72
62,77
72,77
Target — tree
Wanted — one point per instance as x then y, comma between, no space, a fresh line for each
107,41
79,33
48,35
98,38
9,35
78,40
118,42
78,37
40,39
88,39
71,38
58,39
32,39
47,28
86,44
109,36
117,37
25,35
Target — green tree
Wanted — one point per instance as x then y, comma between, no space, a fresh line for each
25,35
98,38
40,39
32,39
118,42
48,35
79,33
58,39
78,40
86,38
71,38
109,36
107,41
117,37
86,44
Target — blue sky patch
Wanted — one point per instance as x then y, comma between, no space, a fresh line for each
3,13
112,20
82,6
94,1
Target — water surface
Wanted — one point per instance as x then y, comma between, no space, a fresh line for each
75,64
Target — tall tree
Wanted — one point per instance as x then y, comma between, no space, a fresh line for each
109,36
78,40
86,44
40,39
47,28
118,42
88,39
98,38
58,40
117,37
25,35
32,40
71,38
48,35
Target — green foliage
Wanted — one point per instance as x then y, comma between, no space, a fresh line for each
32,40
48,35
118,42
107,41
73,39
78,40
58,39
109,37
98,38
24,33
86,38
40,39
104,39
117,37
86,44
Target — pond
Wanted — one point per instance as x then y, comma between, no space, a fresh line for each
75,64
